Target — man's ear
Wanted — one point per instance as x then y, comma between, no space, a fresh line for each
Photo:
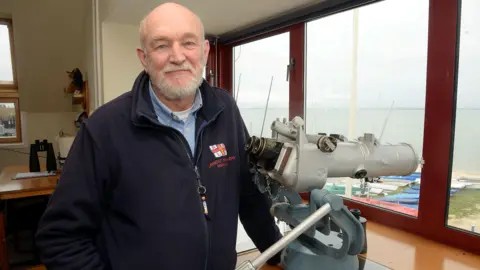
142,57
206,50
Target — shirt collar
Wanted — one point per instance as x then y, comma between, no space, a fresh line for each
163,112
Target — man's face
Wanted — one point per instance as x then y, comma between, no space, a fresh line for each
175,55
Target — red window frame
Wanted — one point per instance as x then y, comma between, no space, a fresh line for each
439,105
296,82
210,66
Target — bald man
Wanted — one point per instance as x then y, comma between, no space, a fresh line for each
157,178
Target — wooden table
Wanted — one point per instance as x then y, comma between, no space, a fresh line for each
14,189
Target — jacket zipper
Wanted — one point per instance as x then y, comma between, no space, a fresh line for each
200,186
201,189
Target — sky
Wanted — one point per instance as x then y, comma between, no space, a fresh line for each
391,59
5,56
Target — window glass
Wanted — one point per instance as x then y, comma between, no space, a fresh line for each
8,119
6,70
261,88
366,73
262,93
464,203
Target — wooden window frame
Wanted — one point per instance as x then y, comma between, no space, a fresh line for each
9,92
442,69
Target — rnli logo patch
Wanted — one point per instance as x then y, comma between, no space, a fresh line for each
218,150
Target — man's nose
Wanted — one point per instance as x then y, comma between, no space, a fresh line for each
177,56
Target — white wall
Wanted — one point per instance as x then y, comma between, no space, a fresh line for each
120,62
49,39
106,8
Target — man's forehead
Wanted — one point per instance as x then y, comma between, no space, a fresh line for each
173,36
169,30
168,33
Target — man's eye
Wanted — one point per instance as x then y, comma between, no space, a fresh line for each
189,43
162,46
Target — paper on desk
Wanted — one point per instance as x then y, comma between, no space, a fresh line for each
26,175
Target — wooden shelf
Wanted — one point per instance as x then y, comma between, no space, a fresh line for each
83,99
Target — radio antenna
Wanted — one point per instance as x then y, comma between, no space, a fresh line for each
266,106
386,120
238,88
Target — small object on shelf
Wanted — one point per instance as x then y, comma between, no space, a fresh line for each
78,88
76,82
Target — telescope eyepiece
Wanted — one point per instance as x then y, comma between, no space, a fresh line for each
250,143
263,149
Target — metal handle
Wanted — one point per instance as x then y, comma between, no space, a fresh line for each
287,239
290,66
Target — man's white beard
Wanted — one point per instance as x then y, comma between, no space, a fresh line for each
174,92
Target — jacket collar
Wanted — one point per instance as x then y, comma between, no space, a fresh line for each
143,113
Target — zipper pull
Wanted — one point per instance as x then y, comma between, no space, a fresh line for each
204,201
202,190
198,174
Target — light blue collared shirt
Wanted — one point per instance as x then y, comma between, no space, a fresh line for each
166,117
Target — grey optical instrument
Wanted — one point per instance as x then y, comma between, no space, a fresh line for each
324,232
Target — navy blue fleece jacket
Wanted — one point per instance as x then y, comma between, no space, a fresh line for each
128,194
